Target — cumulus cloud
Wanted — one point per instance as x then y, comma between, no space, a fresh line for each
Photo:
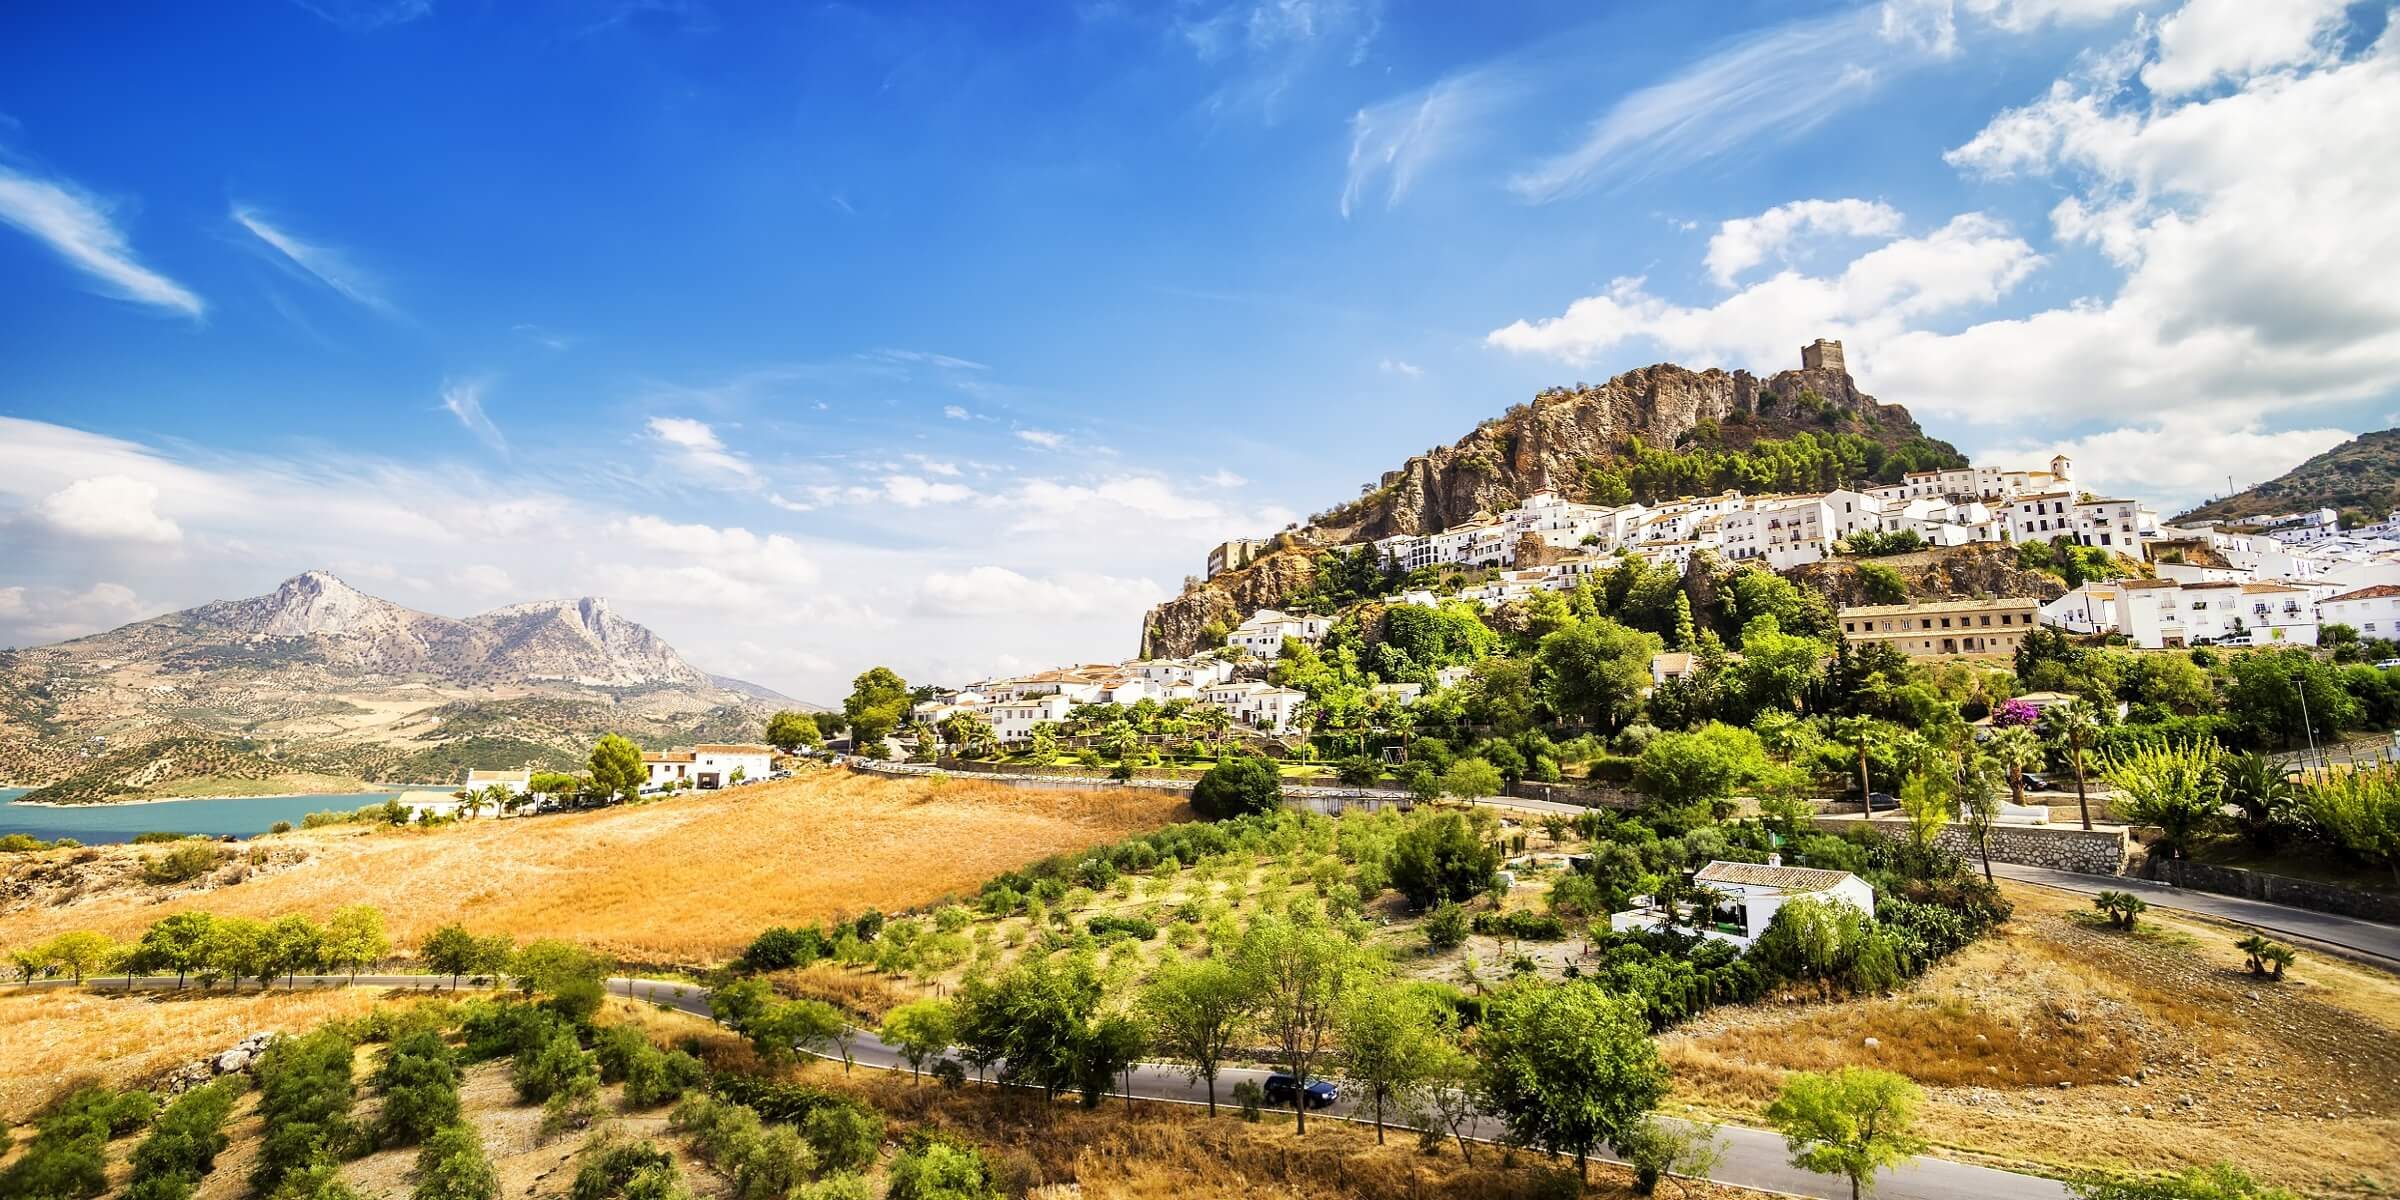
2175,467
1971,261
78,228
110,508
2206,41
1745,242
956,412
1042,437
909,491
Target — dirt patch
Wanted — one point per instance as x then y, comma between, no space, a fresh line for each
2061,1045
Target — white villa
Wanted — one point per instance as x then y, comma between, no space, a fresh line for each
1747,896
517,782
709,765
1262,635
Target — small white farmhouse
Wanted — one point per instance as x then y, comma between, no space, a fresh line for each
1748,895
709,765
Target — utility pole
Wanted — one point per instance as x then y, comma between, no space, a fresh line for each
2306,725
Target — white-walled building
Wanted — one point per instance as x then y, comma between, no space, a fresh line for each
2373,611
709,765
1748,895
2091,608
1262,635
1261,706
517,782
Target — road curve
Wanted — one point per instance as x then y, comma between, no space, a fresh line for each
1754,1158
2370,940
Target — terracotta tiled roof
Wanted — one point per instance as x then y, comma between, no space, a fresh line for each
2380,591
1790,879
731,748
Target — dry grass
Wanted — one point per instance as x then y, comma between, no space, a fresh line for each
50,1037
686,881
855,990
2298,1081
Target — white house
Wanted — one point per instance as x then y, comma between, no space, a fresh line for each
709,765
2091,608
1262,635
2373,611
1257,705
1013,720
1747,897
517,782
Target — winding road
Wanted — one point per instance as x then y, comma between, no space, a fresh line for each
2369,940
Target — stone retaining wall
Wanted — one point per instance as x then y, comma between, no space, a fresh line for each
2274,889
2085,852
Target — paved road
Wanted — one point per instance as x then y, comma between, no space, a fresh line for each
1754,1158
2368,938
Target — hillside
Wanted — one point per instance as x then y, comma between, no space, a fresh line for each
320,678
2360,476
1598,442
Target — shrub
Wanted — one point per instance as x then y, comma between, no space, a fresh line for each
320,1180
1236,787
1446,926
69,1152
844,1135
1440,858
1134,927
419,1081
305,1097
184,1143
662,1075
610,1168
182,864
551,1066
453,1166
1528,926
939,1169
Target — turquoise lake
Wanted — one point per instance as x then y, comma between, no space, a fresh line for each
240,816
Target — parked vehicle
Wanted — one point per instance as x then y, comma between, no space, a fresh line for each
2036,783
1881,802
1320,1094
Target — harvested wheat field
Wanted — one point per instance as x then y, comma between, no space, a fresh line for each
49,1036
2061,1045
683,881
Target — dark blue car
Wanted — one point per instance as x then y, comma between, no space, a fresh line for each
1280,1090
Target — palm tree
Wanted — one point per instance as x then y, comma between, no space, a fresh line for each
472,803
2017,750
2254,948
2074,724
1861,732
2277,958
928,739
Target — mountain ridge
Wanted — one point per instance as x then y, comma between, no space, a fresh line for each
2360,476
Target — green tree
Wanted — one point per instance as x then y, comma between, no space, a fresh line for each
177,943
2279,697
1195,1009
1703,767
792,732
920,1030
1596,670
2174,787
935,1169
80,952
1237,785
2073,725
237,950
453,1166
1862,734
1441,857
878,702
617,769
1471,778
1392,1038
1925,799
1567,1067
1304,974
2360,812
1038,1017
452,951
2216,1182
1852,1122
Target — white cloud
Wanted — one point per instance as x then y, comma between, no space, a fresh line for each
77,228
989,591
1223,478
2175,467
1779,82
769,560
956,413
1745,242
1395,141
486,579
110,508
366,16
1400,366
928,358
1971,261
2209,40
1043,438
697,448
908,491
323,263
464,399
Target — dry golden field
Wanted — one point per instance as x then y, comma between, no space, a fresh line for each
2171,1054
685,881
51,1036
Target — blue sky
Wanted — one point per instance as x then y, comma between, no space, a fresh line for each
952,335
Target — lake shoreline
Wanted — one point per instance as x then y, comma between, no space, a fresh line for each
405,789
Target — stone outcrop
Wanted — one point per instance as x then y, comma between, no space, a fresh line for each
236,1059
1546,442
1181,626
1979,569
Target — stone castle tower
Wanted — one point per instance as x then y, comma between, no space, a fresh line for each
1822,355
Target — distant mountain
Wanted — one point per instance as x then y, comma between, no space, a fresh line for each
2359,476
327,680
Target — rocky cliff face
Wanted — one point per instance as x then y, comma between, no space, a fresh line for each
1180,626
579,640
1960,572
1547,441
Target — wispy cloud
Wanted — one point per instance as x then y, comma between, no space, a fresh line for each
1043,438
366,16
77,227
1781,81
957,412
464,400
323,263
1400,366
540,336
1395,141
698,445
928,358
